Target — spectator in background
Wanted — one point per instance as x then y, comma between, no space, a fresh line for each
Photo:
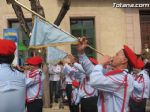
55,72
146,53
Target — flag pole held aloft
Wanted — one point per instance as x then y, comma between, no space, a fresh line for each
51,24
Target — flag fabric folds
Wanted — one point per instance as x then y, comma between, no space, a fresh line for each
54,55
45,34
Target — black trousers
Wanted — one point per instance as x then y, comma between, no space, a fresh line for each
54,91
74,108
137,106
35,106
89,104
68,92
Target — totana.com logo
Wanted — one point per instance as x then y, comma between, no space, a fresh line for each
131,5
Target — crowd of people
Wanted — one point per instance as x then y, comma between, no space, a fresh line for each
113,84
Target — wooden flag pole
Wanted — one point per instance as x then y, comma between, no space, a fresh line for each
53,24
95,50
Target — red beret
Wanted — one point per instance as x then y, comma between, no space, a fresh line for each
75,83
93,60
27,61
7,47
136,62
36,60
140,63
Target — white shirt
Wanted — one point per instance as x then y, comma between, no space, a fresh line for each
55,72
12,89
69,73
113,98
141,85
86,91
33,87
74,72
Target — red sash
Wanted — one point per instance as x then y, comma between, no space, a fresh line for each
33,75
114,72
86,92
140,79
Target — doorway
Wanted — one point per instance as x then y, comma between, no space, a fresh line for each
145,27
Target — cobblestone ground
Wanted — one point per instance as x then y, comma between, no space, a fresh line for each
56,108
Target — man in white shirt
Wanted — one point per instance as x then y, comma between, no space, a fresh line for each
140,92
115,86
12,82
55,72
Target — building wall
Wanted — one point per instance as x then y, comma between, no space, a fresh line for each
114,27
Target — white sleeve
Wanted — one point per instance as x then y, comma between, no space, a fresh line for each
79,67
50,69
138,86
86,64
76,73
104,83
30,82
67,69
57,69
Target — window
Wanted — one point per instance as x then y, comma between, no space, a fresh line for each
14,23
83,27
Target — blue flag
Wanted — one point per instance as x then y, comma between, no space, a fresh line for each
54,55
45,34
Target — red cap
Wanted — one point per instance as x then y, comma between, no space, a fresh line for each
136,62
7,47
93,60
75,83
36,60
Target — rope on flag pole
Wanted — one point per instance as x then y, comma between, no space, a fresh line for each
16,1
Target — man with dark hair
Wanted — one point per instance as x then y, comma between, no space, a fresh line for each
116,85
12,82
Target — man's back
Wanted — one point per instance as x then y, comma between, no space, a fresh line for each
12,90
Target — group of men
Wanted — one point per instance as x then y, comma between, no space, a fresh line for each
121,82
115,84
